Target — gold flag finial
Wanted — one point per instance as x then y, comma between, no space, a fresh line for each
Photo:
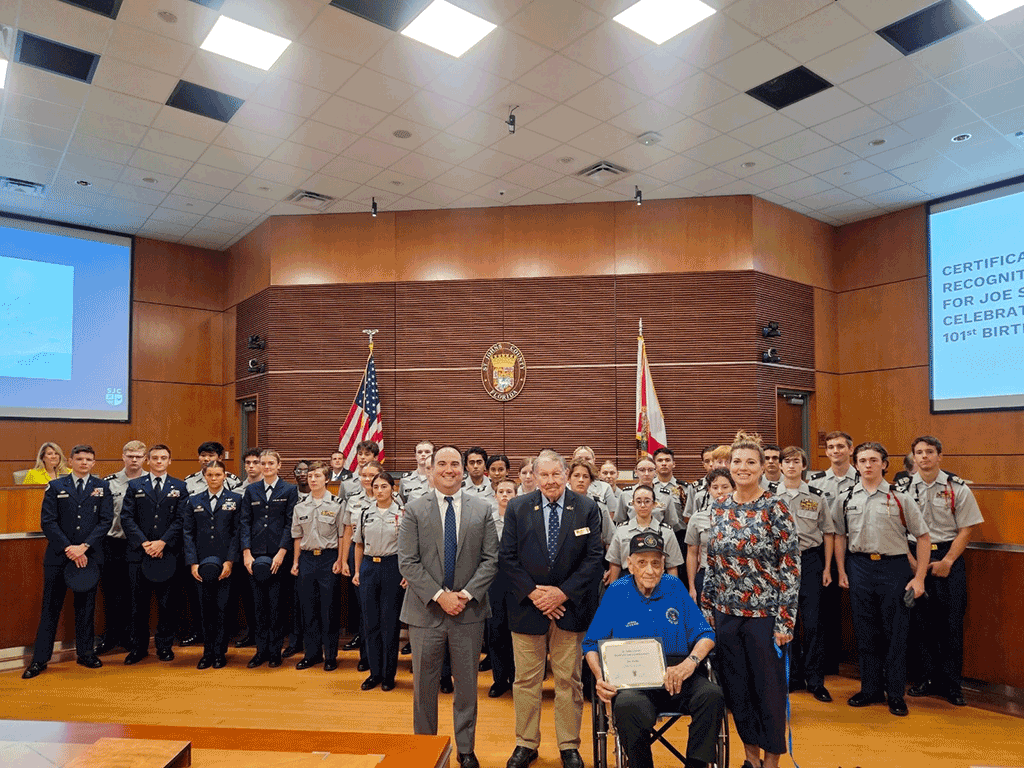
371,332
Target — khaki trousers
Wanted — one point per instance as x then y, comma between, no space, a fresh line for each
530,653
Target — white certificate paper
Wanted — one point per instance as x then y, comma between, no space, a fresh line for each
633,662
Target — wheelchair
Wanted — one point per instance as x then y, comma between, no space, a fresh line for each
604,727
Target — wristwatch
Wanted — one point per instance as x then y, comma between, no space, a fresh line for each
695,659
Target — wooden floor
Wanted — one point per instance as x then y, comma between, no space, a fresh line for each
175,693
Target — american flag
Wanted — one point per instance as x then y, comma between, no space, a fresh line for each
363,421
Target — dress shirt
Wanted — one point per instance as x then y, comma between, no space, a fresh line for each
443,506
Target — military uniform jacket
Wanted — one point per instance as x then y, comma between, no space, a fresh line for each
412,486
947,505
211,534
317,522
675,494
196,483
266,523
68,517
666,508
118,483
146,517
811,512
832,486
576,568
878,522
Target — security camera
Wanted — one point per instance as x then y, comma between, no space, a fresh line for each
771,356
501,192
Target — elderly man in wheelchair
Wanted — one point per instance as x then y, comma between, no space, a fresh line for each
647,603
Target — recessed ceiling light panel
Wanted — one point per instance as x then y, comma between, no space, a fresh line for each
243,43
661,20
447,28
989,9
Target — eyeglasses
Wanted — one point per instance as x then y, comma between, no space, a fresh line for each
643,502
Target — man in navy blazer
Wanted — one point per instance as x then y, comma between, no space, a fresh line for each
76,514
265,530
151,517
551,553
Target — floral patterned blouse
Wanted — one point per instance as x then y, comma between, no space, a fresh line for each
753,565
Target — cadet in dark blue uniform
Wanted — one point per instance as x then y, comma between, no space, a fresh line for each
266,531
76,514
151,518
210,533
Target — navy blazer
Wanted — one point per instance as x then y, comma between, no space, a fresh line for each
577,568
68,517
144,517
266,524
211,534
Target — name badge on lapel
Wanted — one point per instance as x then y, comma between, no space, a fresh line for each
582,531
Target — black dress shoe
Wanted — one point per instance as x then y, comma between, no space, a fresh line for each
134,657
406,649
521,757
290,651
498,690
275,660
165,654
205,663
468,760
363,666
387,685
924,688
307,663
330,665
353,644
193,639
91,662
370,683
245,641
258,660
898,706
862,699
820,692
485,664
571,758
219,662
956,698
446,685
35,669
105,646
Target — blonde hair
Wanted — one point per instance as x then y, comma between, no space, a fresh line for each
748,440
721,452
62,464
271,452
134,445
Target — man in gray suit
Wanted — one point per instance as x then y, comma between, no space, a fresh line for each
448,554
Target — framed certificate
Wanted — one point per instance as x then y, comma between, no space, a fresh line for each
633,662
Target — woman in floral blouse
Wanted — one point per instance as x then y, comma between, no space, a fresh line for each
751,586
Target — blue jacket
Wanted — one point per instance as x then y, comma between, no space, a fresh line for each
266,524
68,517
144,517
213,534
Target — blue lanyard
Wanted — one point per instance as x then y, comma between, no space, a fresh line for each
780,651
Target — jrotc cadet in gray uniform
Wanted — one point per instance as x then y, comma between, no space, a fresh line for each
208,451
666,508
581,480
816,532
667,488
608,474
380,584
872,522
114,572
952,514
317,530
599,489
476,482
355,505
718,484
772,468
417,483
366,451
618,551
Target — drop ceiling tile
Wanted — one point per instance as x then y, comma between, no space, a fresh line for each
96,147
121,106
696,94
650,115
187,124
717,150
902,155
824,160
263,119
444,146
432,110
529,105
715,38
216,177
194,21
374,152
350,170
734,112
797,145
66,185
290,96
771,197
329,185
674,168
738,187
18,203
568,188
873,184
603,140
40,112
412,204
608,47
492,163
131,208
897,196
505,54
230,160
269,190
463,179
362,38
875,14
559,78
752,66
627,186
1010,121
347,115
172,144
844,174
475,201
420,166
857,123
537,198
685,134
767,16
249,142
143,194
554,23
386,128
66,24
525,144
119,221
532,176
271,170
611,196
388,181
892,135
563,123
668,192
161,53
189,189
320,136
806,187
410,61
164,231
768,129
944,119
566,160
998,99
221,226
172,216
302,156
761,161
957,52
66,210
637,157
853,59
47,86
707,180
653,73
90,168
223,74
157,182
128,78
237,215
246,202
372,89
189,204
287,19
436,194
821,107
28,153
314,68
777,177
466,84
32,133
820,32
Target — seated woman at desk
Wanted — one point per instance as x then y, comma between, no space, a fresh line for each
50,464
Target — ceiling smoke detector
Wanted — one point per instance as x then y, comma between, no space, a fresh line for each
649,139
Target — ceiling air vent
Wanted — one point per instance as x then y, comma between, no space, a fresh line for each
602,172
312,200
22,187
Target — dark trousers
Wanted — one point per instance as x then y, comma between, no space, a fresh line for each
941,616
116,596
295,637
382,593
241,598
266,597
141,589
881,621
214,598
54,591
636,712
807,651
355,606
499,636
189,619
753,677
317,587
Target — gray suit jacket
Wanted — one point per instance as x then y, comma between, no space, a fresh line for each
421,560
